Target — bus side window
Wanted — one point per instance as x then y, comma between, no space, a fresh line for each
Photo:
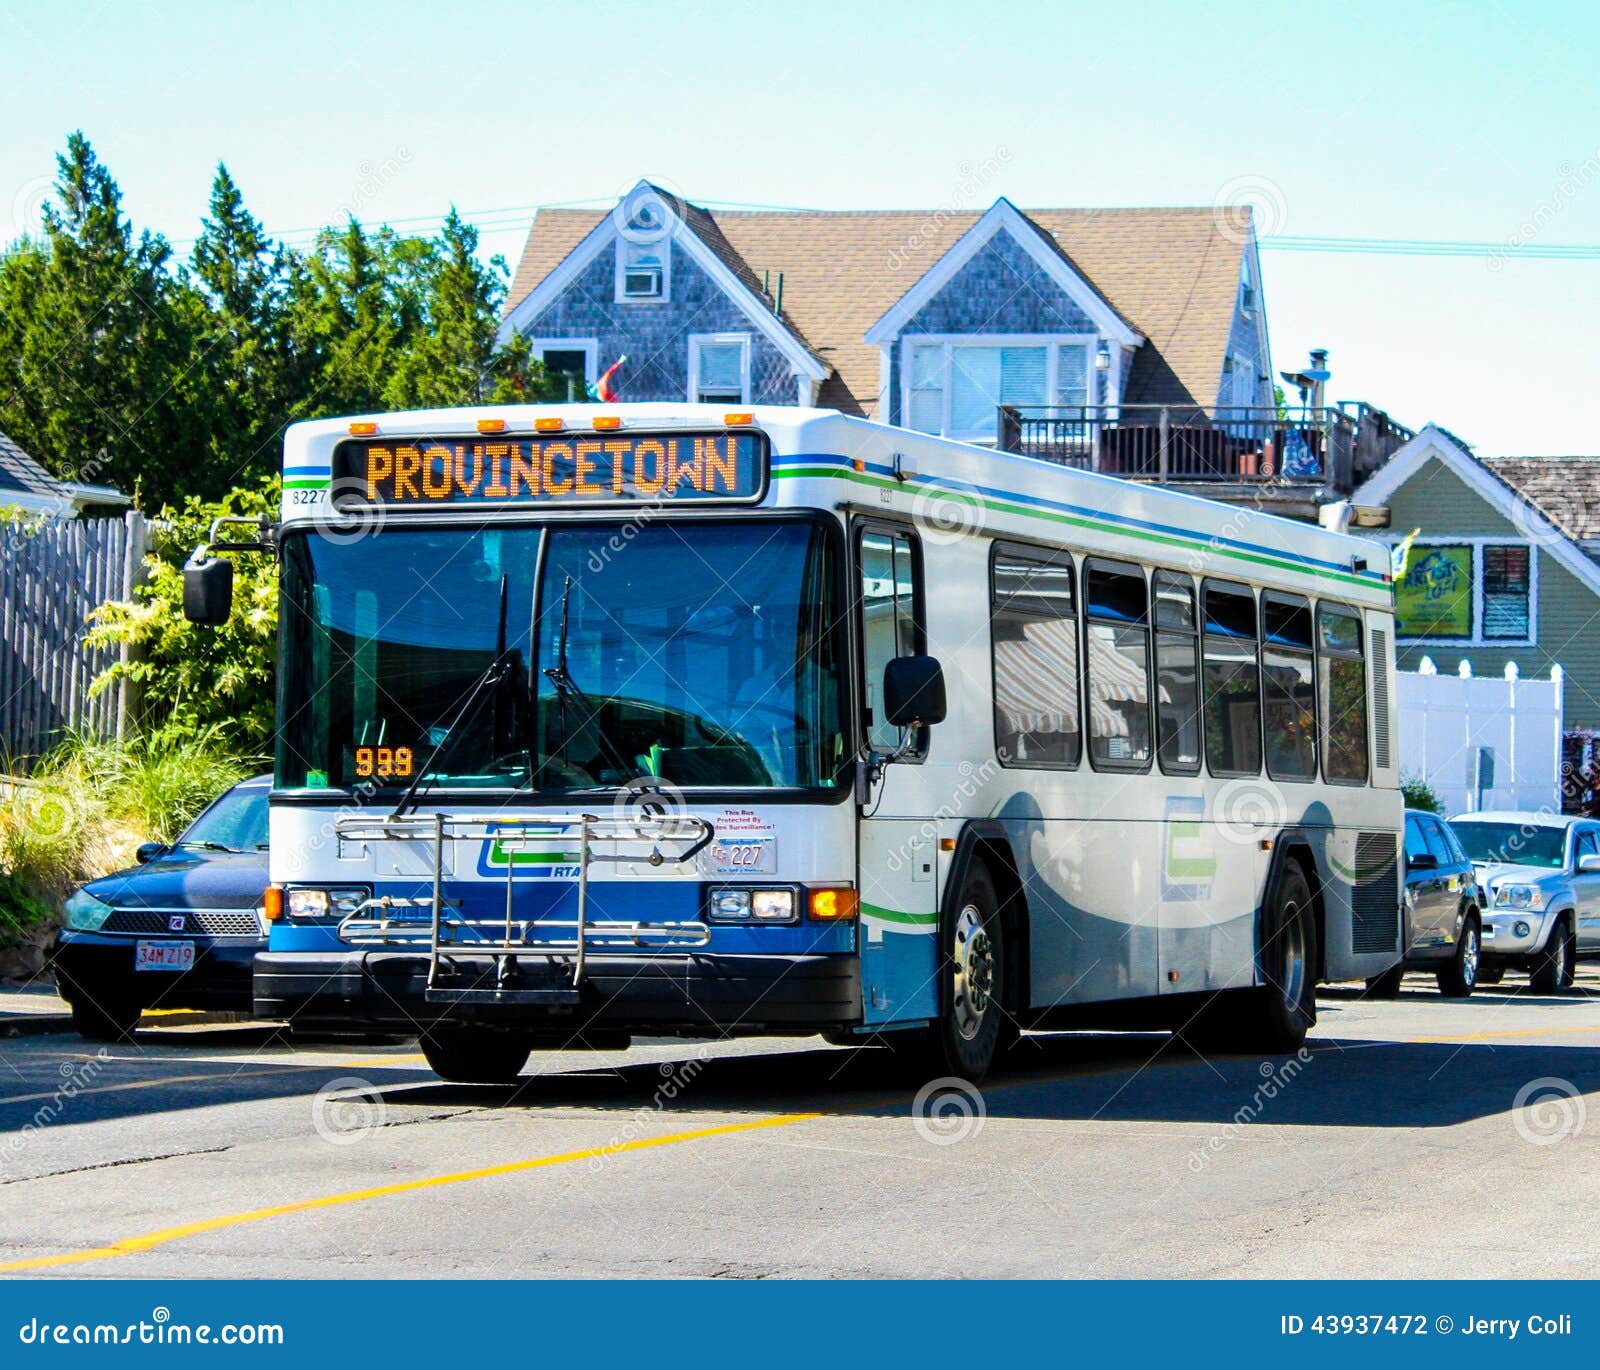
1177,675
1232,686
1343,688
1035,617
890,621
1290,698
1118,650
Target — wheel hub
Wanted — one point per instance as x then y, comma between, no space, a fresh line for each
1293,941
1469,955
974,972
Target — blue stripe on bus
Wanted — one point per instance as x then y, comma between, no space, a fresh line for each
1015,497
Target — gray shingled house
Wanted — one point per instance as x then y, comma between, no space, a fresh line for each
27,486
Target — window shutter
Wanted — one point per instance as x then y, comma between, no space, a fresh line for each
1072,374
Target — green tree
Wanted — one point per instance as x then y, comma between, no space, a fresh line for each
246,382
94,348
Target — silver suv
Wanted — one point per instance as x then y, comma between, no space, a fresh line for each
1541,878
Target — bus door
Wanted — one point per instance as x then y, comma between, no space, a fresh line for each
897,843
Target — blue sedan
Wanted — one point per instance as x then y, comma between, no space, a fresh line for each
179,930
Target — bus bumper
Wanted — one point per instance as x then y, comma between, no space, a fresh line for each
361,990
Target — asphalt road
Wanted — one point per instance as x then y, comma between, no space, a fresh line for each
1395,1147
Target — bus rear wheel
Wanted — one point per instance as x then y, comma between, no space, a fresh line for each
475,1055
1272,1018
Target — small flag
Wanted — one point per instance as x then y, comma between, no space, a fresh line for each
1402,550
603,389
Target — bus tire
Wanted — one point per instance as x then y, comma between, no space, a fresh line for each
1272,1019
475,1055
973,1018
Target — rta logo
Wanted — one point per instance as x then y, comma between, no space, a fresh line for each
174,922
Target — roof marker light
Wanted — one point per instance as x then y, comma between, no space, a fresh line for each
548,425
738,420
606,422
491,425
363,428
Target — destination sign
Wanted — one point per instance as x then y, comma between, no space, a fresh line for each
571,469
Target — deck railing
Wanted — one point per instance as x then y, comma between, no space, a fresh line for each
1207,444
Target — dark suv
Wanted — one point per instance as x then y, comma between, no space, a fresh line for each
1442,913
179,930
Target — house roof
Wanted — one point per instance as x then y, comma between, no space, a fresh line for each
1566,489
1172,274
26,483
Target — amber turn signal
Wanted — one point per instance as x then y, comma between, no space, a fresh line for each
831,905
272,903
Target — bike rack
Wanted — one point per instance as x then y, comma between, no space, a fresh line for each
445,928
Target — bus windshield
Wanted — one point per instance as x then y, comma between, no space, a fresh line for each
562,659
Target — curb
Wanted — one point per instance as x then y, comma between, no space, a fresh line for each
44,1024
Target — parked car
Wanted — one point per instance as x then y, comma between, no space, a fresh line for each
1541,879
1441,913
179,930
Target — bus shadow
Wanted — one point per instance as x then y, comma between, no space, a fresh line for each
1077,1077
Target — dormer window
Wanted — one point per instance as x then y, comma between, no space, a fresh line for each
643,281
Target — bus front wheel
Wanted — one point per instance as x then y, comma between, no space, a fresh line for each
475,1055
974,1021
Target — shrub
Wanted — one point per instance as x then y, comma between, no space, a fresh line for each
1419,794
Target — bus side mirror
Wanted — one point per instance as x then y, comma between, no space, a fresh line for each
913,691
207,589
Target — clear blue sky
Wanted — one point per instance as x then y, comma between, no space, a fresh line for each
1391,120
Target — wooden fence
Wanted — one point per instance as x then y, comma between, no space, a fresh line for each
51,576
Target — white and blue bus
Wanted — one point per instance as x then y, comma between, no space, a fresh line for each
598,721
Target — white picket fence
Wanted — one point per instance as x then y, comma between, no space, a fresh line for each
1489,742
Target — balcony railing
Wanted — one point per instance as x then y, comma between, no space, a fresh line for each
1191,444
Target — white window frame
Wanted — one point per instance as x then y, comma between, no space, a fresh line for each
699,340
590,347
1477,544
660,247
1051,342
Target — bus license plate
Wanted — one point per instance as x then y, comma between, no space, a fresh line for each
744,856
163,956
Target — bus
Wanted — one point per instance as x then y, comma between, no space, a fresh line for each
609,720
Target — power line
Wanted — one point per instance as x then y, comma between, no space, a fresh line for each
1423,247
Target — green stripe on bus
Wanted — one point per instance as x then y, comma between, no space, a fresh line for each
307,484
895,916
1081,521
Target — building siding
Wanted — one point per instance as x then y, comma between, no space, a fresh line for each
1001,289
1440,504
655,337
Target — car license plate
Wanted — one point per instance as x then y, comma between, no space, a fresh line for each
163,956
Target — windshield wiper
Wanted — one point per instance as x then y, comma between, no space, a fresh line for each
492,674
206,846
566,687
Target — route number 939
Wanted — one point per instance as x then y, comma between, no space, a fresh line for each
383,763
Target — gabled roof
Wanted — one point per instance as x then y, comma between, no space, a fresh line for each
1171,274
27,485
1566,489
1523,512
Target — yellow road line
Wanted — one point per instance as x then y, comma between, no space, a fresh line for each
133,1245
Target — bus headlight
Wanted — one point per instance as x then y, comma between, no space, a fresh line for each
749,904
318,905
1519,897
84,913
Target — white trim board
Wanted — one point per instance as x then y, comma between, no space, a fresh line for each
606,233
1434,444
1002,214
